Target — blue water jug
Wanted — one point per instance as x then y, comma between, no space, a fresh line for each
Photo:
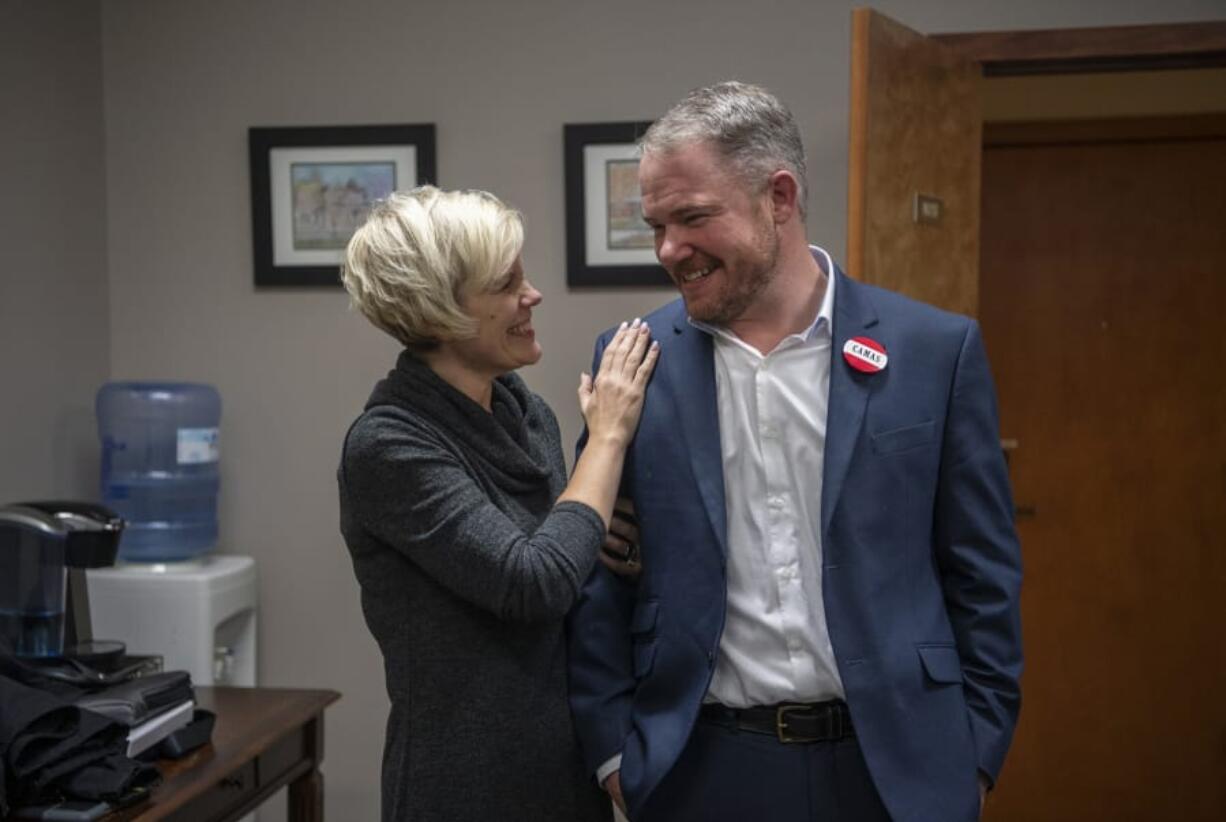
160,453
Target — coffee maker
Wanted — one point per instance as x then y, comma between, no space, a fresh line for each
45,548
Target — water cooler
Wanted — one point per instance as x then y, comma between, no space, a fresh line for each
169,594
199,614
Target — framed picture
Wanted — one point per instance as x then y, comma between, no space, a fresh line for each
607,242
311,187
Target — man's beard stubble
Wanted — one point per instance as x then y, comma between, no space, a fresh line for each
742,293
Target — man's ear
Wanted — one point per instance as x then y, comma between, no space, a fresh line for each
784,193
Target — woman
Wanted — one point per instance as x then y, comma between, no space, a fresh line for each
467,541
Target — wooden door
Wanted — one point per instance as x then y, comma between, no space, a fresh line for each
1103,285
1103,274
913,188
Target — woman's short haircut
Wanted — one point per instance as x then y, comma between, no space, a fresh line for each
419,253
750,128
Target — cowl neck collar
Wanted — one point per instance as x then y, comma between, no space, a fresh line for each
506,441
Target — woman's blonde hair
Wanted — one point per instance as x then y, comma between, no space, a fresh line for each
410,265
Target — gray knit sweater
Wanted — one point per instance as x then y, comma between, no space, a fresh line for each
466,568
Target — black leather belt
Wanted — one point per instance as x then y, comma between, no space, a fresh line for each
813,722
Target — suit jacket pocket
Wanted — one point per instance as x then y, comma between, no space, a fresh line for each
644,657
941,663
642,626
643,621
900,439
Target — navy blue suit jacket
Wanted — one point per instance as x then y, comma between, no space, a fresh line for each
921,566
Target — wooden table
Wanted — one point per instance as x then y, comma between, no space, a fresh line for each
264,739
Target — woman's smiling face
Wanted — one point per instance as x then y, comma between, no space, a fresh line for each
505,339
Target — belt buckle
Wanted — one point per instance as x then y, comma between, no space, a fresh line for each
781,723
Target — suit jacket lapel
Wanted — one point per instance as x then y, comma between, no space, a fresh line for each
691,367
849,391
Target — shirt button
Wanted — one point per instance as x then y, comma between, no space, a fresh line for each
775,502
770,431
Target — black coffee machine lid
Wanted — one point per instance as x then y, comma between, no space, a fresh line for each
91,531
32,518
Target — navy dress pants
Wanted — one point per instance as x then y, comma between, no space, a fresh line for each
728,775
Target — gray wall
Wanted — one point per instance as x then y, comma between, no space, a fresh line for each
54,321
183,81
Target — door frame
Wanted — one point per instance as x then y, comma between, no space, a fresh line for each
1084,50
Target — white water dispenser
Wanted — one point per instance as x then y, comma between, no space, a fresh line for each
199,615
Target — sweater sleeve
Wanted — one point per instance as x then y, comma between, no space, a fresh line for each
407,489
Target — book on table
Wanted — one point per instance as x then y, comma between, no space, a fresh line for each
154,729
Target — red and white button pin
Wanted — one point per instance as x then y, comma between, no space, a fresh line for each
865,355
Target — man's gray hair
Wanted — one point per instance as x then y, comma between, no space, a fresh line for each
750,128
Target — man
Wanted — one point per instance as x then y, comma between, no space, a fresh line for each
826,625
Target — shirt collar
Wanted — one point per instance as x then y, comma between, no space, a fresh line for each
825,314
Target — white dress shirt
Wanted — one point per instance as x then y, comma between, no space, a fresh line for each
775,646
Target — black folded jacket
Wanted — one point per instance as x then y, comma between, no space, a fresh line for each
51,748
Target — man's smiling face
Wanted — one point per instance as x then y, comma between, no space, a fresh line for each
714,234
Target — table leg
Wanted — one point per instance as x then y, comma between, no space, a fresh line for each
306,793
306,798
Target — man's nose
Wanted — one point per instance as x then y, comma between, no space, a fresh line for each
671,247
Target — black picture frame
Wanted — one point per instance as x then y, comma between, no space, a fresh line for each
273,223
601,267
